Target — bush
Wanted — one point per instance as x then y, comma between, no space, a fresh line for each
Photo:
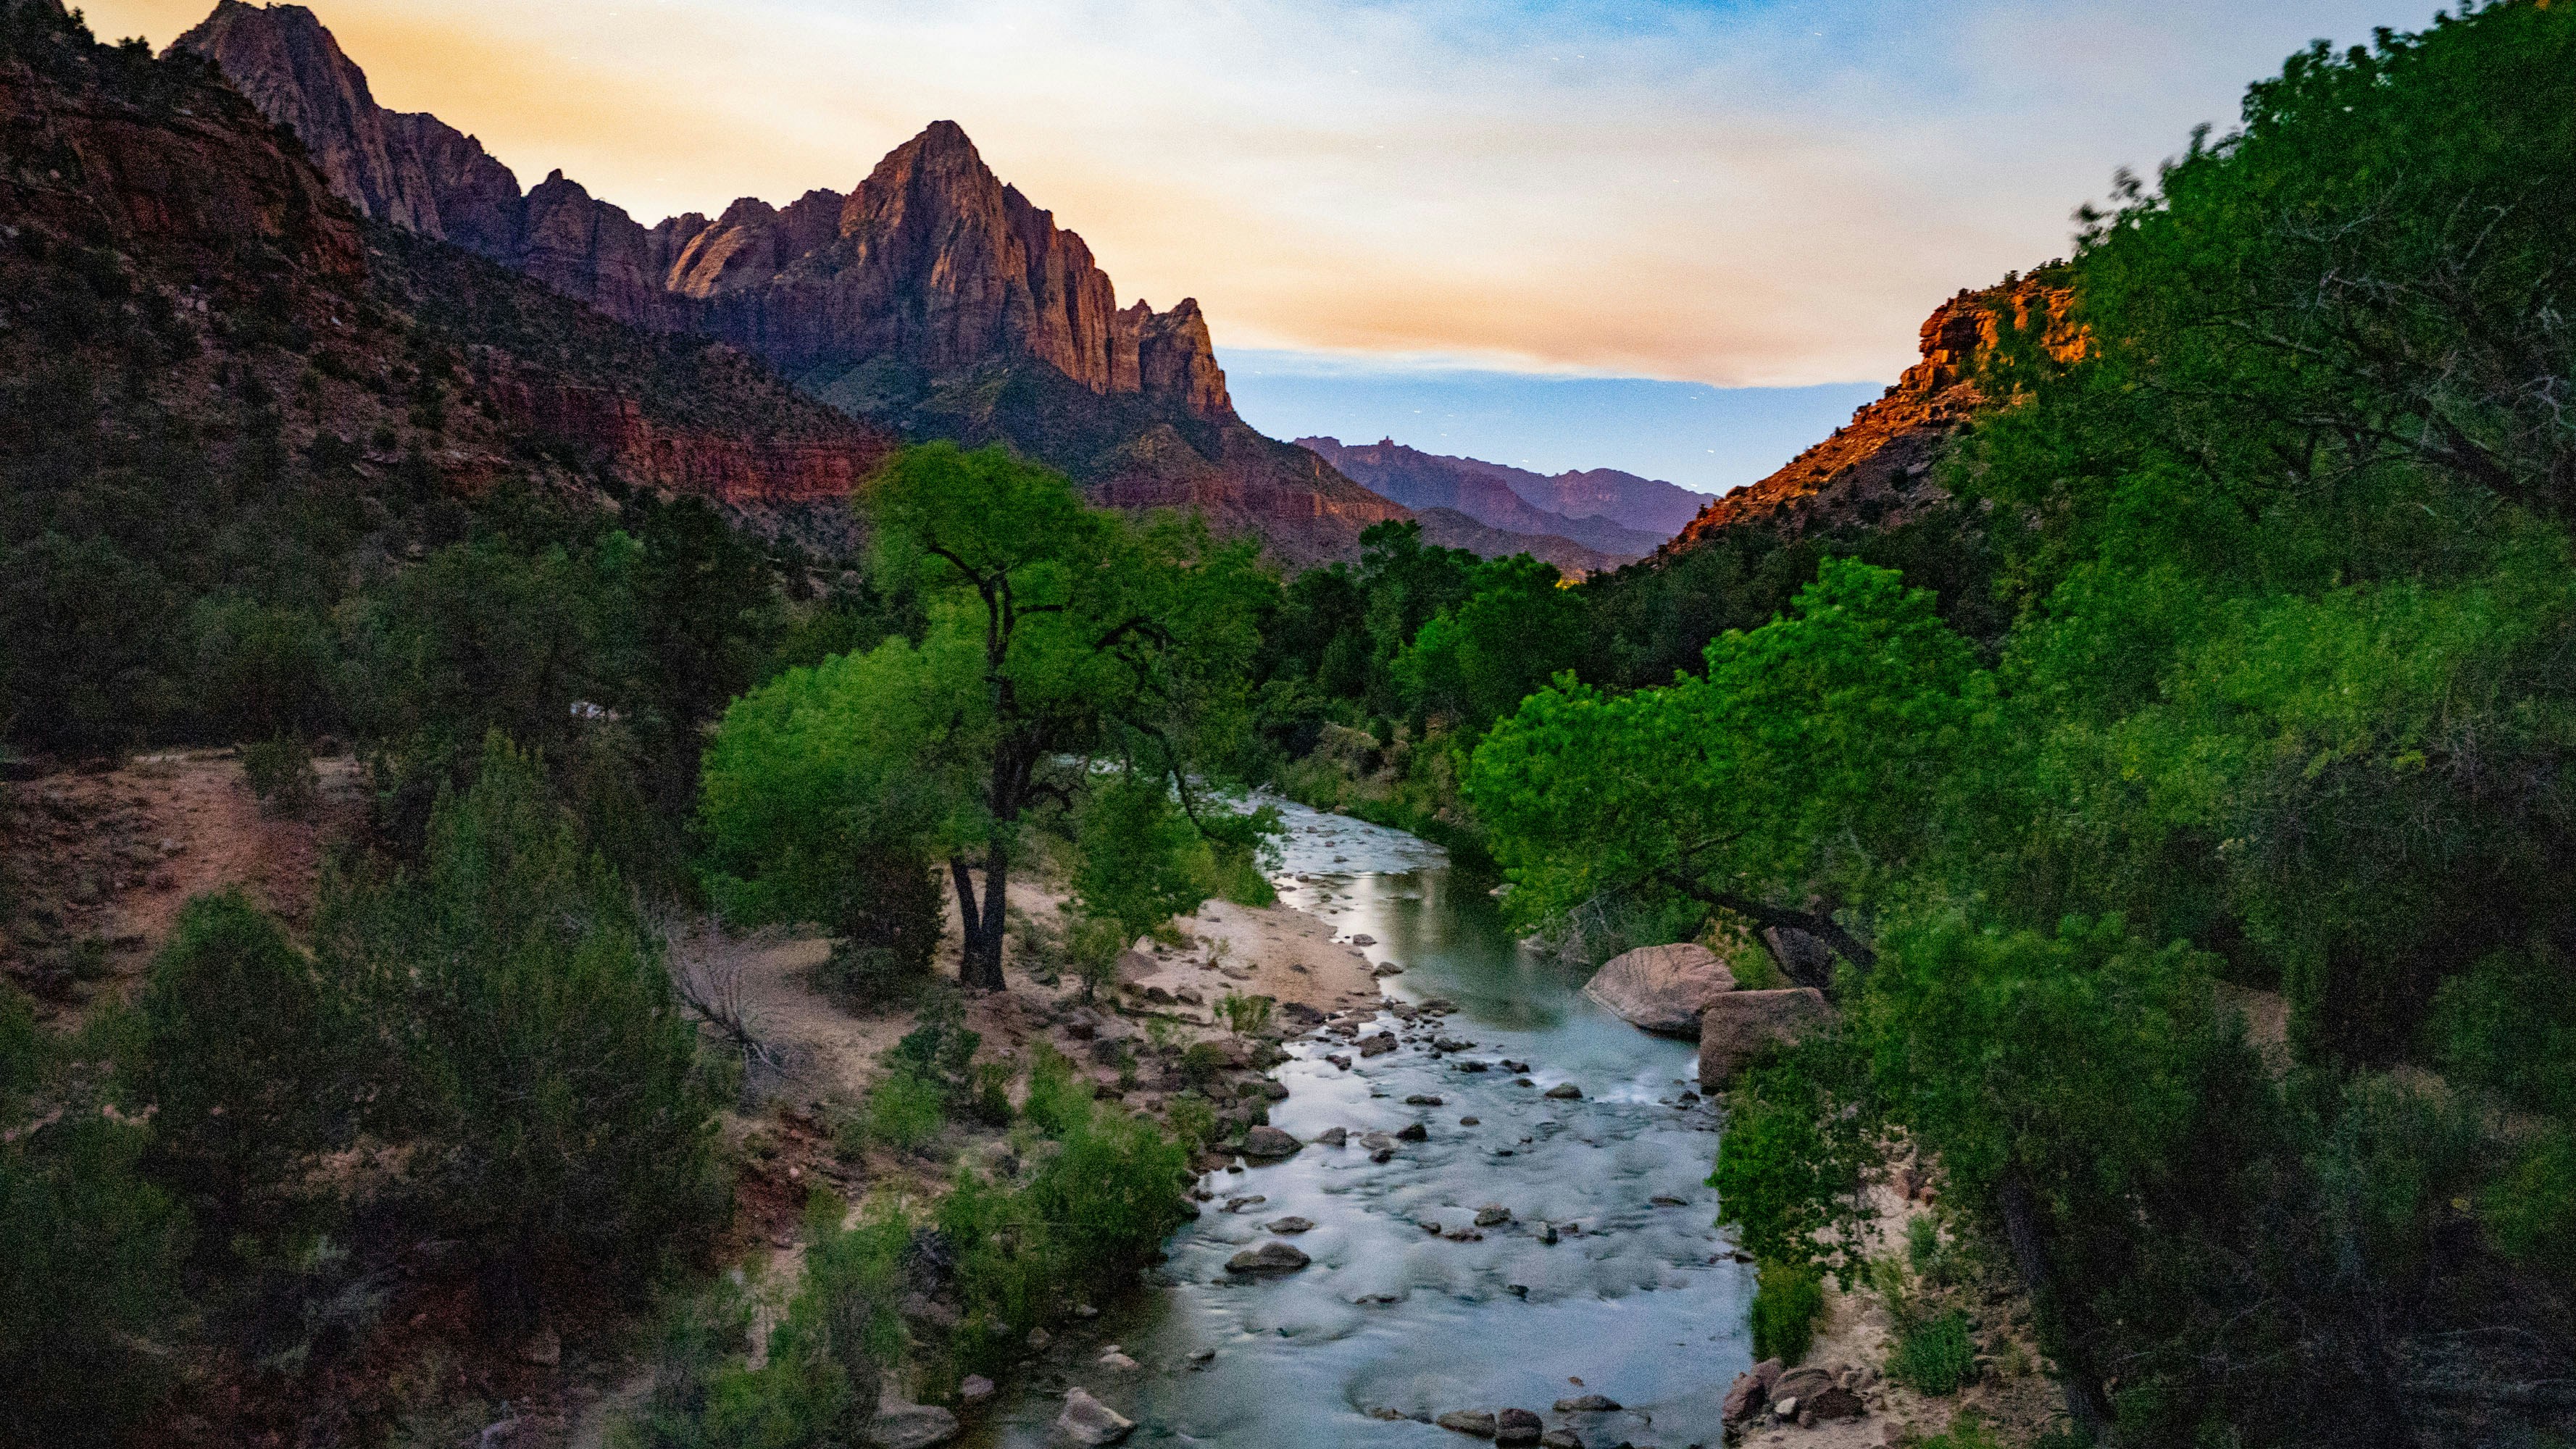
826,1358
1097,1207
1092,947
1934,1356
1245,1015
544,1072
1057,1100
1193,1120
1786,1299
90,1257
1203,1060
1967,1431
887,923
905,1113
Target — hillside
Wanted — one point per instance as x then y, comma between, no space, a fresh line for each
931,299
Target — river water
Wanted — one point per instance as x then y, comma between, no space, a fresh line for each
1638,1300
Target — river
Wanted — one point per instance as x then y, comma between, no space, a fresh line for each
1638,1299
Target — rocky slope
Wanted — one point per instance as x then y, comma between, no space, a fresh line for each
932,298
1479,490
236,260
1450,528
1876,470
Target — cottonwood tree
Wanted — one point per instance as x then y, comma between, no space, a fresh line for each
1066,645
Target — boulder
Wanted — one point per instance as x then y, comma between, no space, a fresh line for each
1292,1225
1269,1142
1744,1399
1273,1257
1560,1439
899,1425
1662,989
1493,1215
1517,1426
974,1389
1468,1421
1086,1420
1741,1024
1818,1392
1333,1136
1565,1092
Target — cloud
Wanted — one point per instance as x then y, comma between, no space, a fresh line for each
1756,192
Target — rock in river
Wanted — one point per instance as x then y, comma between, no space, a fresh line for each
1588,1404
1468,1421
899,1425
1517,1426
1269,1142
1292,1225
1565,1092
1086,1420
1270,1258
1662,989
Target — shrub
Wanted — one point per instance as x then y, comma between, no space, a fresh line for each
1967,1431
905,1112
1193,1120
1246,1015
1057,1099
545,1072
1786,1299
280,772
1092,947
888,925
1934,1356
246,1066
1203,1060
991,1102
91,1251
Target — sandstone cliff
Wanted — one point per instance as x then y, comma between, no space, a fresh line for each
1876,470
932,298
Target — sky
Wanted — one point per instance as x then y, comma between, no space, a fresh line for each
1739,194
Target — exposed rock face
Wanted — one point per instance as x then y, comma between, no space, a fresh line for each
1876,470
1425,481
1740,1024
932,298
1662,989
744,472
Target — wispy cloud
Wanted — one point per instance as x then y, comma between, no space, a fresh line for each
1735,193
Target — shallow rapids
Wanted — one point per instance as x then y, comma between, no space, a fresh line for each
1638,1298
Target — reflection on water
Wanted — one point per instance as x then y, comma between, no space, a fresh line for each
1396,1321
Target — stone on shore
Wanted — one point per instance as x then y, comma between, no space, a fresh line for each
1086,1420
899,1425
1741,1025
1269,1143
1819,1392
1468,1421
1662,989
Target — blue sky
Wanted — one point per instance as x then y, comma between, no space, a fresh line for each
1766,194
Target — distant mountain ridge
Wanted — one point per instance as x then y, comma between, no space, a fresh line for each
932,299
1603,508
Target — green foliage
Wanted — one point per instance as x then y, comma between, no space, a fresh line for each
2529,1211
1058,1100
1245,1015
1790,1169
281,777
826,1356
1934,1356
1786,1299
906,1113
93,1250
542,1066
1101,1200
251,1067
1968,1430
1192,1120
1140,860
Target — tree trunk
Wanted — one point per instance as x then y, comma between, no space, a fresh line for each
983,969
970,920
2085,1401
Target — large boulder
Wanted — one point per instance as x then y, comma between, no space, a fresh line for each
1086,1420
1266,1142
1662,989
1740,1025
1268,1260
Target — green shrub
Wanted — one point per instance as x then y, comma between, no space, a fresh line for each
906,1113
544,1072
991,1102
1967,1431
1193,1120
1245,1015
2530,1211
1058,1099
249,1067
280,773
887,923
1786,1299
1203,1060
91,1253
1097,1206
1934,1356
1092,947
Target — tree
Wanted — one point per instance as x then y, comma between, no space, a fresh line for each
1059,636
1814,765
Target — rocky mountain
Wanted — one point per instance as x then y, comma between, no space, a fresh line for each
233,264
1449,528
1480,491
932,299
1876,470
